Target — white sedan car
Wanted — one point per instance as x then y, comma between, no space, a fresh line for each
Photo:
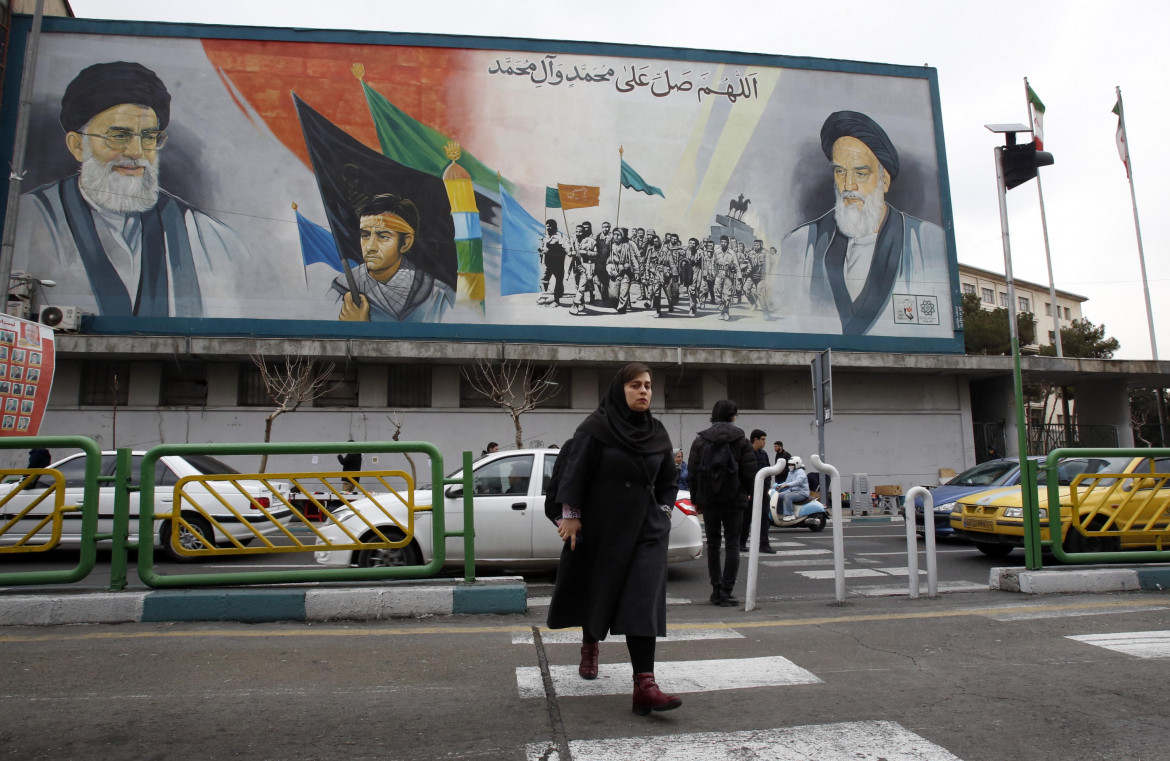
511,529
202,500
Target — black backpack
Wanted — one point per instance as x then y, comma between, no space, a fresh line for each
718,474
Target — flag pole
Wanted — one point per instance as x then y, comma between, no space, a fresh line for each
1137,225
1141,257
618,217
1047,249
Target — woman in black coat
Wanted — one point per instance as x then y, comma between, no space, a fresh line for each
617,492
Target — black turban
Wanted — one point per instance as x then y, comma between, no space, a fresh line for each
853,124
105,85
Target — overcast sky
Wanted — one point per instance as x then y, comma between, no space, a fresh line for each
1073,53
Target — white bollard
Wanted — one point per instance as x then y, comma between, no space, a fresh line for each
912,541
838,530
749,600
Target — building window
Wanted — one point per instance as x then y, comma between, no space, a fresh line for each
1048,309
1025,304
683,390
746,389
184,384
104,384
1067,314
251,391
468,396
969,288
409,386
1003,302
341,390
1052,336
988,296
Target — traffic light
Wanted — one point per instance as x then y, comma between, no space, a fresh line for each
1020,163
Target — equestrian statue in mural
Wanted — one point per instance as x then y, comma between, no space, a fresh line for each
738,207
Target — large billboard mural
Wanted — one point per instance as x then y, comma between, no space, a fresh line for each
571,193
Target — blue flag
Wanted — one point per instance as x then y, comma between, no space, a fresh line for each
520,263
317,244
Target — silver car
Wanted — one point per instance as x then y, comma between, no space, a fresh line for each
511,529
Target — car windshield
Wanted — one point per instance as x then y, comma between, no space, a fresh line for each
209,466
1071,467
991,473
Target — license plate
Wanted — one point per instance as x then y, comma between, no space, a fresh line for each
982,524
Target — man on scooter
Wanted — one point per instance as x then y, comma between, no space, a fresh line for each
794,489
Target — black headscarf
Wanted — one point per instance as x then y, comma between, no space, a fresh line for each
853,124
615,424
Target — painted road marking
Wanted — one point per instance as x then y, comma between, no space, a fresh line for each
672,676
901,589
1028,615
546,600
847,741
573,636
802,561
791,553
1140,644
857,573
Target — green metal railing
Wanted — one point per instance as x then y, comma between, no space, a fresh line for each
123,483
89,507
1109,528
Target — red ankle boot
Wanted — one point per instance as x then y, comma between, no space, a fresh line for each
588,667
647,696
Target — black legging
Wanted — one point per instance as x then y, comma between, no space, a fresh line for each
641,652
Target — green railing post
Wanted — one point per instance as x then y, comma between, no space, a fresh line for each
1033,559
468,521
89,509
121,537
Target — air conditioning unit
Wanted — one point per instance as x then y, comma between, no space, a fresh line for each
17,308
60,317
861,483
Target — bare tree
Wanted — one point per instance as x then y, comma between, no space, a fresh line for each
513,385
290,385
398,419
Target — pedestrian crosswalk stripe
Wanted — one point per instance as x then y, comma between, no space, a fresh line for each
1028,615
672,676
792,553
1140,644
573,636
846,741
799,561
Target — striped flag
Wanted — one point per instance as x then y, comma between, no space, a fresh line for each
1122,147
1036,109
468,236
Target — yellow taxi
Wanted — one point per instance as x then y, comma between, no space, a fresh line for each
1132,511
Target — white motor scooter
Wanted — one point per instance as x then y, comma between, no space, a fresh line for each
810,513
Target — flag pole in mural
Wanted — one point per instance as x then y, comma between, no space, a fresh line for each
1123,149
348,172
316,245
1036,117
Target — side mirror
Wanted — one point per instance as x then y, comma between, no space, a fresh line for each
454,492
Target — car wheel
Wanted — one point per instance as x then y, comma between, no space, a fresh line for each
815,523
388,558
198,537
1075,541
994,550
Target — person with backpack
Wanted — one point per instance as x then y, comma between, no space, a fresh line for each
722,468
616,488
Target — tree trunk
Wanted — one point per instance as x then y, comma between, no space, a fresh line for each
267,438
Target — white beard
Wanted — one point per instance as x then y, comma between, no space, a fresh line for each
116,192
854,222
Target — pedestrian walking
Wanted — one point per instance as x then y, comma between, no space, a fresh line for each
617,492
351,461
722,467
759,441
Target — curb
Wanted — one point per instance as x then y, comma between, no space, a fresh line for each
393,600
1086,579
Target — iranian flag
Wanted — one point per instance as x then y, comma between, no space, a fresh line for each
1036,109
1122,148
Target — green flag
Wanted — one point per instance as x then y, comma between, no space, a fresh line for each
634,181
418,146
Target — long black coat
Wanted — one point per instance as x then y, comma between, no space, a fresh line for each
615,581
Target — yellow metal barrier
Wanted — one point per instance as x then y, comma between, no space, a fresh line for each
1131,509
21,523
296,504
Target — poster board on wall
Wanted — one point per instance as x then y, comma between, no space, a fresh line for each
27,362
397,186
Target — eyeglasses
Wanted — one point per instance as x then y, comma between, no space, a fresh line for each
118,139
